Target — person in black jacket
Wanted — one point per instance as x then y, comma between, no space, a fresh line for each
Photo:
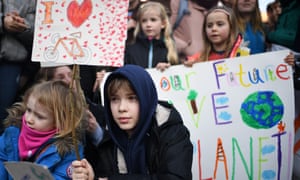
146,138
152,45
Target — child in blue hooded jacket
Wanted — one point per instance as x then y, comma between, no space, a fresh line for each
146,138
39,129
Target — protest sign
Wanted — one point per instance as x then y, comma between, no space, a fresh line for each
27,171
91,32
240,113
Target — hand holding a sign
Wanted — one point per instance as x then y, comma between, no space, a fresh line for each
13,22
93,128
290,59
82,170
99,78
162,66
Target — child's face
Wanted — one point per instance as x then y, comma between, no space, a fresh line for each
63,73
217,29
246,6
277,8
37,116
152,24
125,108
276,11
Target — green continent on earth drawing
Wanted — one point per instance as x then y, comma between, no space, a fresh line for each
262,110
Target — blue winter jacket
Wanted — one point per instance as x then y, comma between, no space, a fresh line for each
59,166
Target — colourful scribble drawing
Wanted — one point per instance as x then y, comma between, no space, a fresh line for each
270,173
262,110
164,84
192,97
281,127
176,82
48,8
78,14
220,104
69,45
191,106
220,157
199,163
221,68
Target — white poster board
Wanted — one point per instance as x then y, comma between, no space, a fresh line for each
91,32
240,113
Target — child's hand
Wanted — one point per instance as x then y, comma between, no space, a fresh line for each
94,130
14,23
131,24
189,63
92,122
99,79
162,66
290,59
191,60
82,170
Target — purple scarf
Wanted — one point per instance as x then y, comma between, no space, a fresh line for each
30,140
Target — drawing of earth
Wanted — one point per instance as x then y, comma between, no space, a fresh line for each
262,110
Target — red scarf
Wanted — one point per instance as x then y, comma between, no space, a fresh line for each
30,140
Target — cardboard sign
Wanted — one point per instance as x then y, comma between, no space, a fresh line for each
91,32
240,113
27,171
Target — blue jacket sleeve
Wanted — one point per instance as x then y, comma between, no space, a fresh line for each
8,148
59,166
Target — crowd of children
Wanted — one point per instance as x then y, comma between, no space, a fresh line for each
134,136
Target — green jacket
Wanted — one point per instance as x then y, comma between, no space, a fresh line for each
287,30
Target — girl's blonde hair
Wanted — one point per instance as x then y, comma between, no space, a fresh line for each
67,107
65,104
167,31
255,19
233,33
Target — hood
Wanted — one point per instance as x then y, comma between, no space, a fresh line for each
145,90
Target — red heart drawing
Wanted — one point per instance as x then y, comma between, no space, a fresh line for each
77,14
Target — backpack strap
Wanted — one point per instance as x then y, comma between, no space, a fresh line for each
236,45
182,10
41,149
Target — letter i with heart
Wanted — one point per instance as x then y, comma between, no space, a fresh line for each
78,13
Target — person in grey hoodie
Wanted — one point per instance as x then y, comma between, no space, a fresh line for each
17,22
